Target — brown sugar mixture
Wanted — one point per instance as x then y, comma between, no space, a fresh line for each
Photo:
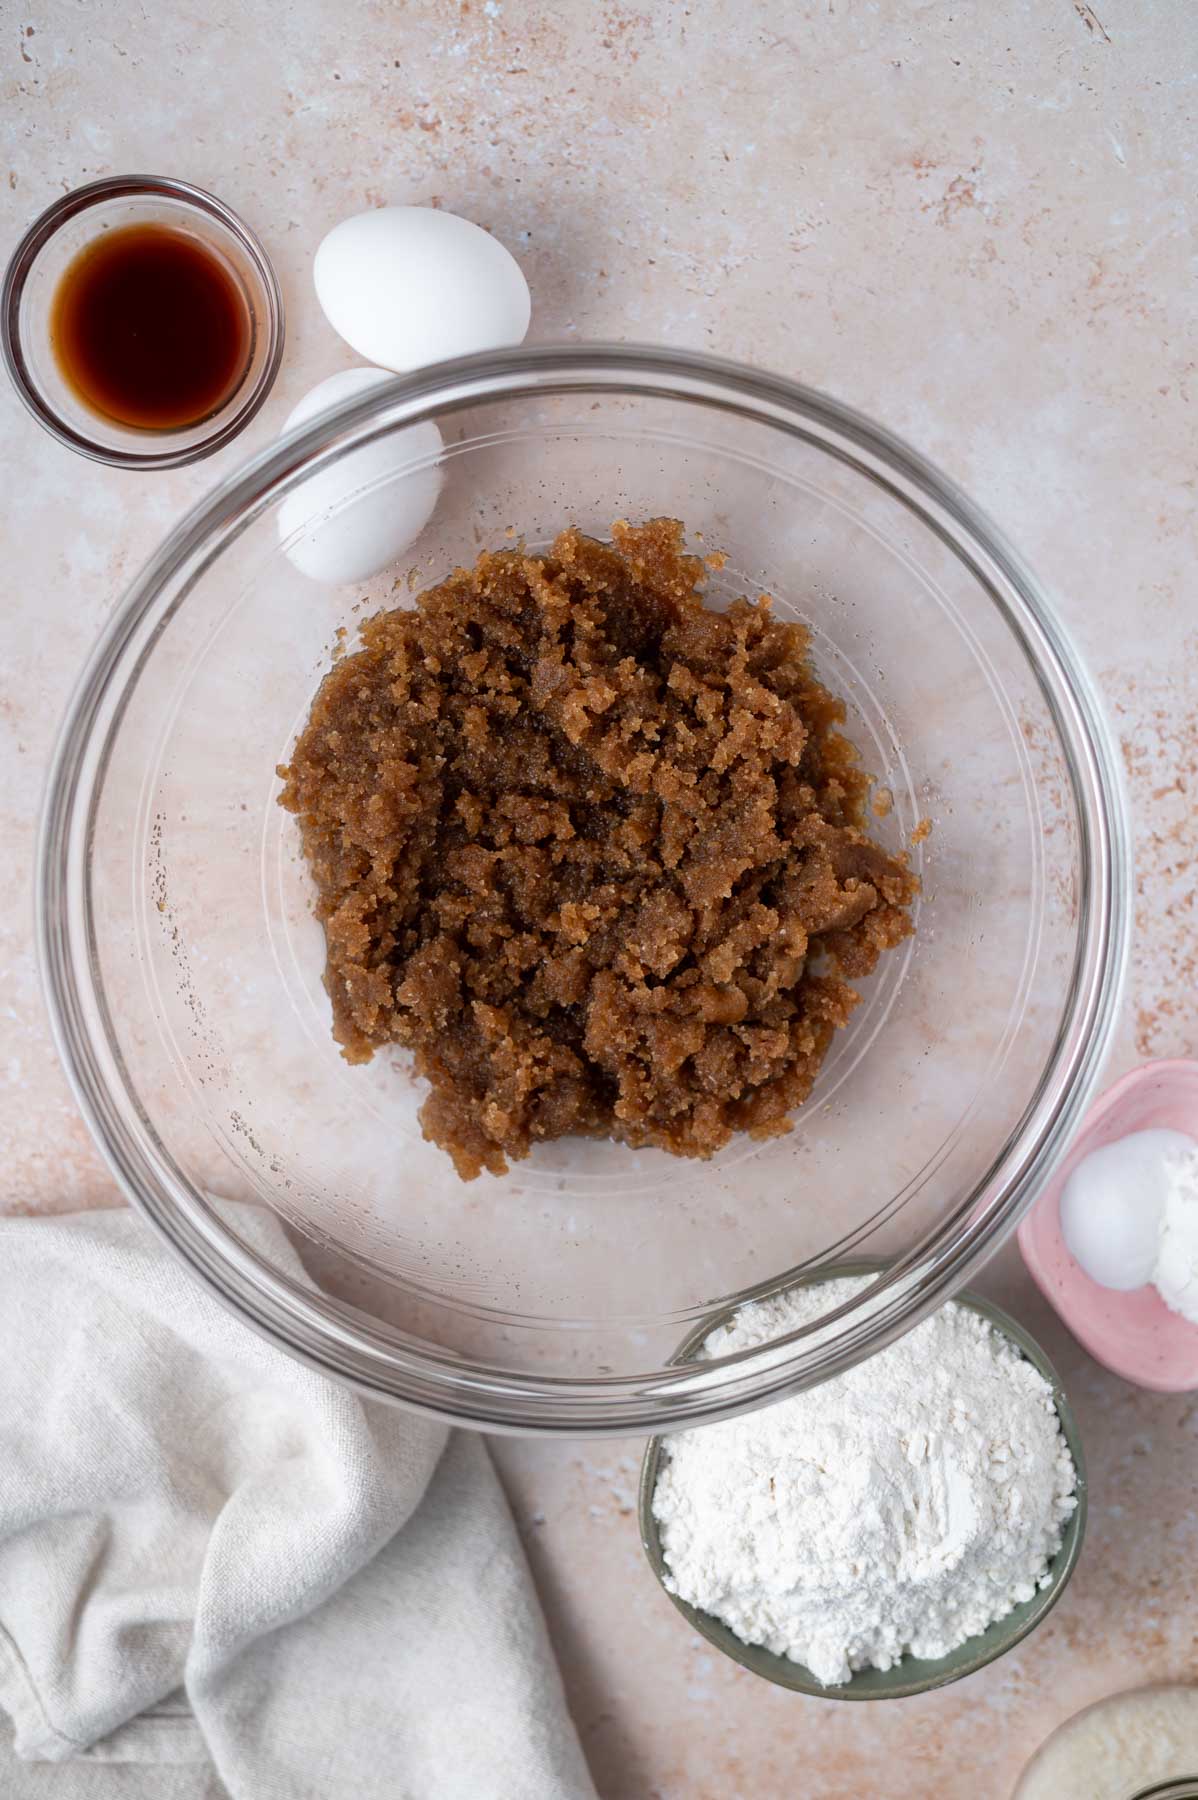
592,851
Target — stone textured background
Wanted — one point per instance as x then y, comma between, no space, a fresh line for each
974,222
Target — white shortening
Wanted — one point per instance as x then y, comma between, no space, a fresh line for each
1175,1273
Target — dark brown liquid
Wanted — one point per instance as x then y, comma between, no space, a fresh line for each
151,328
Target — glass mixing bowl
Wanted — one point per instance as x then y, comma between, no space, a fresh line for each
184,966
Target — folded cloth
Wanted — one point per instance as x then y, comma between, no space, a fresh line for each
214,1561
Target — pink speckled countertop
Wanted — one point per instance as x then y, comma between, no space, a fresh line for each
974,223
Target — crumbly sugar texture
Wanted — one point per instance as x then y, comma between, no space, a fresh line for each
896,1510
592,850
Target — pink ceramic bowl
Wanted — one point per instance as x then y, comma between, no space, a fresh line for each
1134,1334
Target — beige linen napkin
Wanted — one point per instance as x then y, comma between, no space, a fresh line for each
217,1563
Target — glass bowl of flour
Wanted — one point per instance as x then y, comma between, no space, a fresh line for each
886,1533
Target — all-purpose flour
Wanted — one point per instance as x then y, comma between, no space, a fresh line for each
899,1508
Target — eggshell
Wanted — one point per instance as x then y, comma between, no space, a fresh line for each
408,285
338,540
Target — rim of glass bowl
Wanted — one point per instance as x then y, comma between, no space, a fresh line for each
335,1338
39,234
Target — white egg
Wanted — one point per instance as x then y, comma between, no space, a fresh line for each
1111,1207
337,539
408,285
